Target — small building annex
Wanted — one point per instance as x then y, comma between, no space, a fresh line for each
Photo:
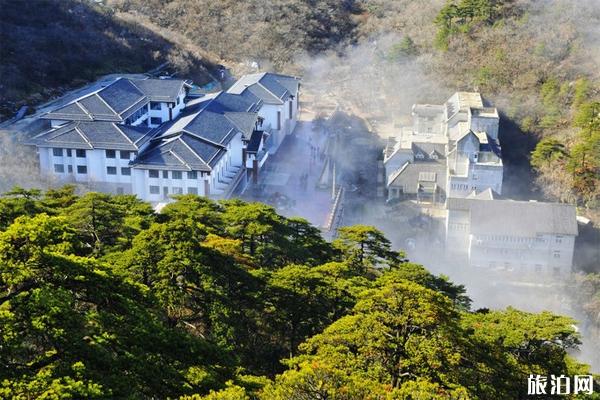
526,237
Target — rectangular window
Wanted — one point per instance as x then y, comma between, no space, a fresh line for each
81,169
59,168
111,154
278,120
291,108
192,190
176,174
155,121
165,174
154,189
125,171
125,154
153,173
70,169
57,152
155,105
192,175
558,239
177,190
69,153
111,170
80,153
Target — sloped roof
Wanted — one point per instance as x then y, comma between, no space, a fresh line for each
198,138
121,95
429,150
269,87
516,218
183,151
119,100
93,135
413,174
161,90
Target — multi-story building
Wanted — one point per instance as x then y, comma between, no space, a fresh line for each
449,151
528,237
142,137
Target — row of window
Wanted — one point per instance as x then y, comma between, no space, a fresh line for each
113,171
60,152
175,190
123,154
510,267
136,115
460,186
154,173
60,169
514,239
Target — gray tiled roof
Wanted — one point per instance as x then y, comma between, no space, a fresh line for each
121,95
217,119
97,107
93,135
211,126
517,218
182,151
429,149
119,100
269,87
161,90
245,122
413,174
72,112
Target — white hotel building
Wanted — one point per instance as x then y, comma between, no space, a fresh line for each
140,136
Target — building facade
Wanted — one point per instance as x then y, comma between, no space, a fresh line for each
526,237
457,141
146,137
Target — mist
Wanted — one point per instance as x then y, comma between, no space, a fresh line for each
374,81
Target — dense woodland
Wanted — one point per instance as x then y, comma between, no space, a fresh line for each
102,298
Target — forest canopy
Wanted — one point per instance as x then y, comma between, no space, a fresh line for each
102,298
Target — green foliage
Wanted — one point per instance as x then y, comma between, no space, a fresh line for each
546,151
461,16
581,91
365,247
551,100
70,327
100,298
404,48
584,163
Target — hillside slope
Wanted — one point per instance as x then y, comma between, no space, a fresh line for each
48,46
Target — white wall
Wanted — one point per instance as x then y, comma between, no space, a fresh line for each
544,254
287,125
163,112
142,183
96,164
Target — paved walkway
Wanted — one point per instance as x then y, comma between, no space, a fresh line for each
293,172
